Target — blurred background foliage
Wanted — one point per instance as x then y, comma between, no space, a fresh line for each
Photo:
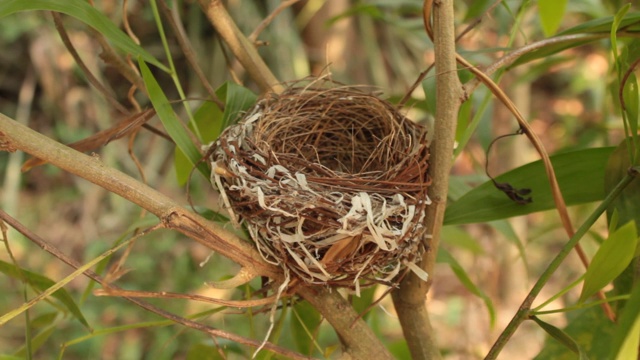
486,269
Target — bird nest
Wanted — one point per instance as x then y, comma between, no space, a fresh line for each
331,183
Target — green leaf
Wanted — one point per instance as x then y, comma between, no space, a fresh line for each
628,203
445,257
551,13
631,22
429,87
211,121
37,342
562,337
610,260
617,20
173,125
201,351
81,10
505,227
590,328
629,348
455,236
49,291
631,101
625,339
361,303
208,119
236,99
304,324
476,9
41,283
577,175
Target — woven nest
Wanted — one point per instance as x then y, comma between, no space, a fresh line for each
330,181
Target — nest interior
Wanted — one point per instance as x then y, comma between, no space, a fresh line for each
330,181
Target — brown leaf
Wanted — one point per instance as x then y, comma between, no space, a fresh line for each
101,138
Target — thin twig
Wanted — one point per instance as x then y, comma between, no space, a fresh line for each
241,47
50,248
187,50
359,340
57,20
264,23
110,290
409,300
537,143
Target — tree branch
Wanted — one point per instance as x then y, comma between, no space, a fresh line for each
409,300
359,340
241,47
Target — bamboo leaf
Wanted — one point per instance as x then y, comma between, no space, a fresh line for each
81,10
627,204
445,257
590,328
562,337
631,101
42,283
236,100
627,333
551,13
575,172
610,260
304,325
58,285
631,22
175,128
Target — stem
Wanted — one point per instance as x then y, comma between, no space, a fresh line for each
409,300
172,72
524,310
358,338
241,47
16,136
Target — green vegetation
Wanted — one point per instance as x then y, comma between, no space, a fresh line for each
126,254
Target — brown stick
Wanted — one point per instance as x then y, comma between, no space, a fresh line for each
410,299
48,247
241,47
359,340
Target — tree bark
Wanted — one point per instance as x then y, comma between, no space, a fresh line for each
410,299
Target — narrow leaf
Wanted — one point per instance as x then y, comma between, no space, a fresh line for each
610,260
590,328
627,330
175,128
236,99
629,348
631,101
562,337
208,119
445,257
575,173
628,203
304,323
58,285
81,10
551,13
631,22
41,283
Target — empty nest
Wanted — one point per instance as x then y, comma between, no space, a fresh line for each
331,183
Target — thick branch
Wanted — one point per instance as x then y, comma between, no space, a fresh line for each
359,340
92,169
410,298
